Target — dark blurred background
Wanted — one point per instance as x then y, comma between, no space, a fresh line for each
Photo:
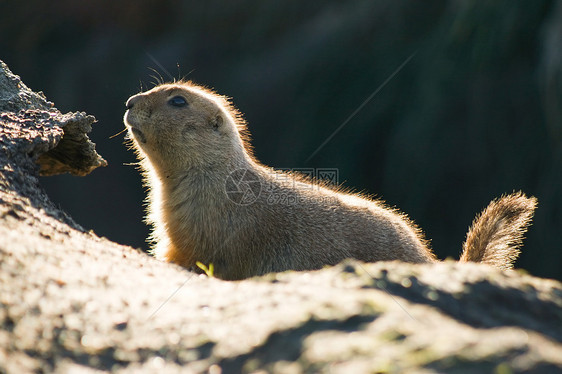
477,112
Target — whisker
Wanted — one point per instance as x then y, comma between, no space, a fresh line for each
158,77
185,76
159,65
119,133
155,80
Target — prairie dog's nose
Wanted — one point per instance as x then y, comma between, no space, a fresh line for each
132,100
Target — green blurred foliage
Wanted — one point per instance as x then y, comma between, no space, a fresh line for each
476,112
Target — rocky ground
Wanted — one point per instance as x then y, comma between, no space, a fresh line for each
73,302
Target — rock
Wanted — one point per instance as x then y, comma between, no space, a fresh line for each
60,142
72,301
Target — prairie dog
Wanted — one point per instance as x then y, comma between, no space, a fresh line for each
211,201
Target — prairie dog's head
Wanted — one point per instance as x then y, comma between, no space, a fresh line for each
180,125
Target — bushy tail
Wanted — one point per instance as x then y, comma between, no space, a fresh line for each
497,233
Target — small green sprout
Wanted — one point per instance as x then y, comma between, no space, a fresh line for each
210,271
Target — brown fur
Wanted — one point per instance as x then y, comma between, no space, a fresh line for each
497,233
188,156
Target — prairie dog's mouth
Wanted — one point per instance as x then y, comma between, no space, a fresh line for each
138,134
133,127
130,118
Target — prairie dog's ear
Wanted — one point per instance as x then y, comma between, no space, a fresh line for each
216,121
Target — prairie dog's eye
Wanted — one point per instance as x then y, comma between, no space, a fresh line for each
177,101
